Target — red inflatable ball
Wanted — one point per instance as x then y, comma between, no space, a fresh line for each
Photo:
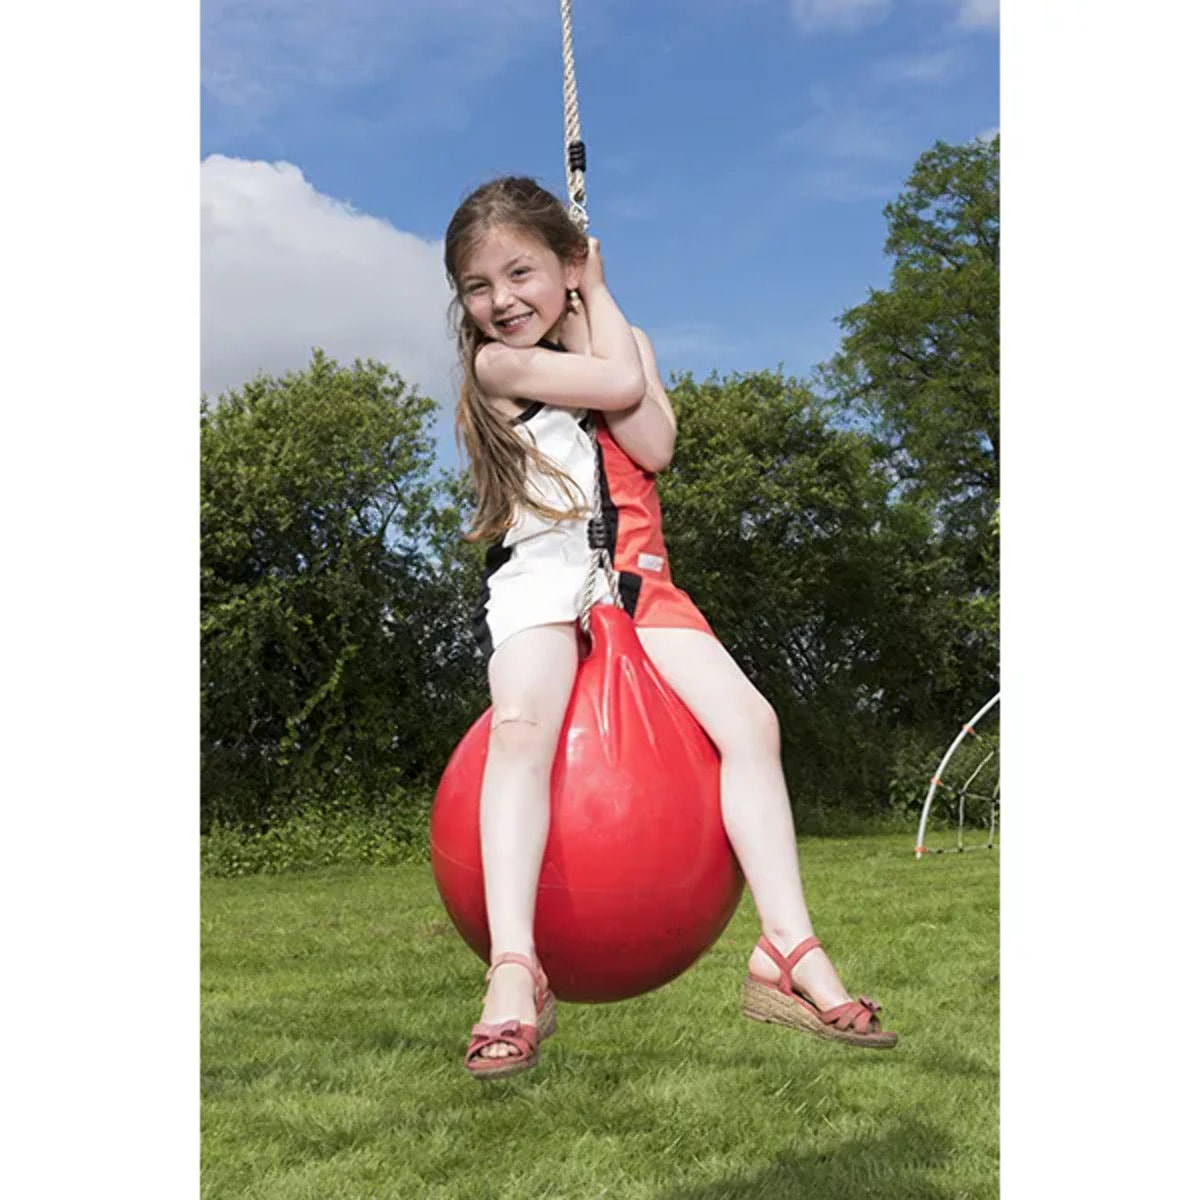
639,879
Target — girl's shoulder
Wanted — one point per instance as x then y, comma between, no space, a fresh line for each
508,407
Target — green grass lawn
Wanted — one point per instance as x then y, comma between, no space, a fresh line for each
336,1008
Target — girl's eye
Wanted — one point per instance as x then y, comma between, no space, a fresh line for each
520,271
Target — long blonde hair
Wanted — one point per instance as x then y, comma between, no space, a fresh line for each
499,457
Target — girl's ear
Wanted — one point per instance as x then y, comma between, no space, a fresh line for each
573,272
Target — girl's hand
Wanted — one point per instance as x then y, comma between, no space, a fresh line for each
593,268
574,333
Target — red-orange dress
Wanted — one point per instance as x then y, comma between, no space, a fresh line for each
633,520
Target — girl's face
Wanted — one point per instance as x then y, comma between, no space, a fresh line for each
515,287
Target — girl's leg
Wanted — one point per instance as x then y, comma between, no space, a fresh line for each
754,799
530,675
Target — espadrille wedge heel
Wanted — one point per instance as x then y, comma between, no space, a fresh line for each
780,1003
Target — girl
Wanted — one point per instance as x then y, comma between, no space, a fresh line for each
545,350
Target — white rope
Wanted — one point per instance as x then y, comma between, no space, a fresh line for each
601,561
576,195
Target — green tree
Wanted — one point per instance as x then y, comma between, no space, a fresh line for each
335,653
922,357
920,361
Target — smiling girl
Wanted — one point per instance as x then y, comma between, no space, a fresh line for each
547,357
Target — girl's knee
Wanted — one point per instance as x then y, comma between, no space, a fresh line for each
765,722
520,736
756,731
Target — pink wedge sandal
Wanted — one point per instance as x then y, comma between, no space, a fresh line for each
779,1001
522,1038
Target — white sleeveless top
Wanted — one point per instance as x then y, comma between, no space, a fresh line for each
560,435
536,574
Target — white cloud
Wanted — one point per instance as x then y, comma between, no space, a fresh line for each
979,14
285,269
259,55
935,66
839,16
848,135
695,340
850,151
841,184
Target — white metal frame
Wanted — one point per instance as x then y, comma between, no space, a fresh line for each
936,782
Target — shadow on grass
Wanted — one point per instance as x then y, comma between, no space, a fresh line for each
893,1166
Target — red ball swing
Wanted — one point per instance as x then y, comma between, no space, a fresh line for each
639,879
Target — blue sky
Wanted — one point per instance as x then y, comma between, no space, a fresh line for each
739,157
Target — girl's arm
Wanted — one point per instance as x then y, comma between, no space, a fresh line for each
564,380
609,378
646,432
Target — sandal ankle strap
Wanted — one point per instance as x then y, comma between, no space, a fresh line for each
787,962
540,982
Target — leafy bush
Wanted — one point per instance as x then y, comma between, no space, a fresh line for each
324,833
335,594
